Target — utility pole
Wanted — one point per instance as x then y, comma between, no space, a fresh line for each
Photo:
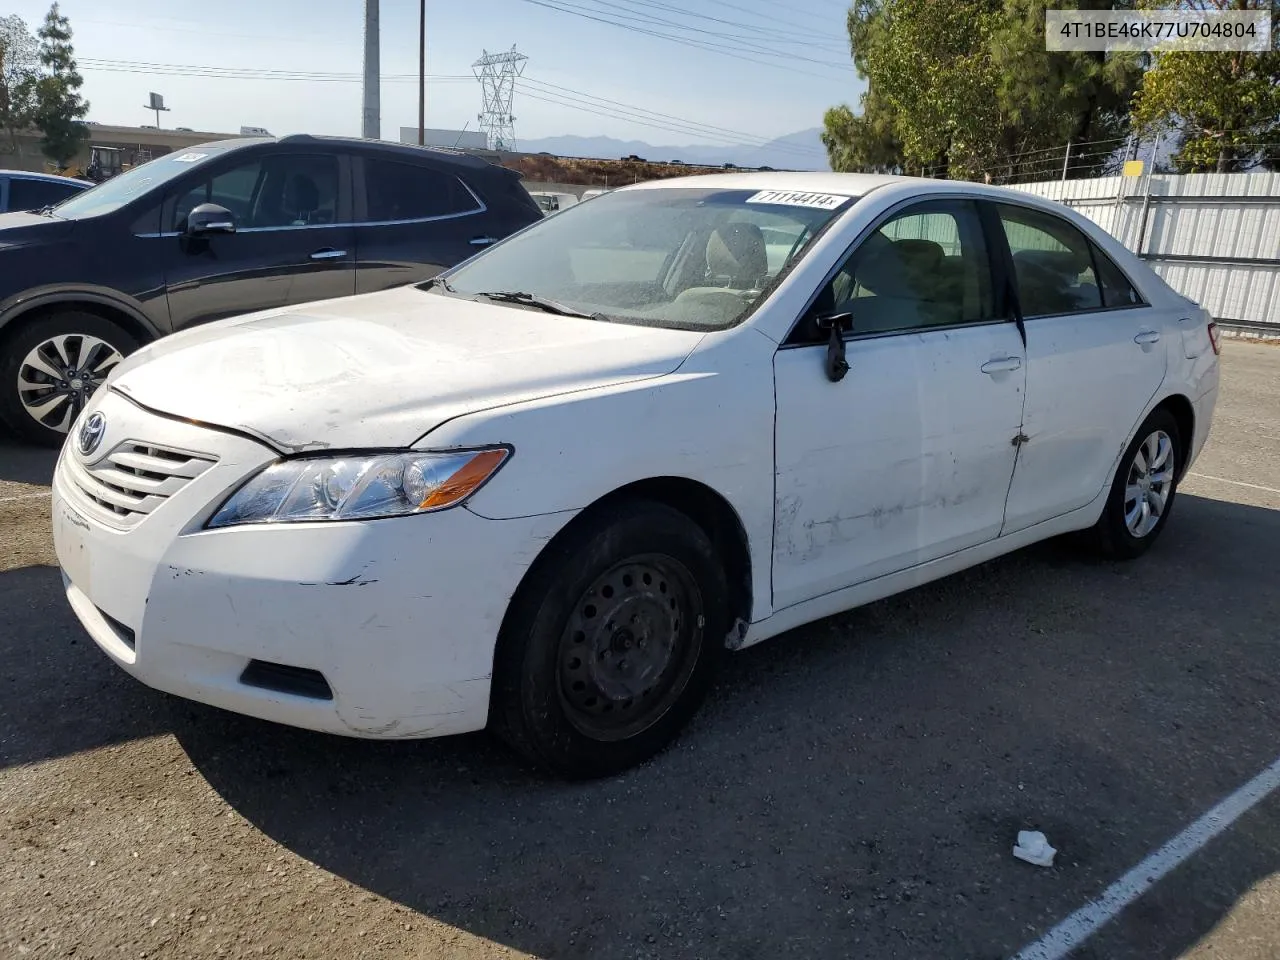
422,73
370,126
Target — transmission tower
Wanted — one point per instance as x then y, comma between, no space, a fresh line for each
497,74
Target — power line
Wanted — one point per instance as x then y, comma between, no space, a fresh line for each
701,45
770,32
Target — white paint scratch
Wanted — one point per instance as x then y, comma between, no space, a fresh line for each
1085,922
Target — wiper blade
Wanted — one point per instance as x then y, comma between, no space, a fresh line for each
533,300
46,210
440,282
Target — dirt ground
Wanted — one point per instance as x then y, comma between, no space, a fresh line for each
852,789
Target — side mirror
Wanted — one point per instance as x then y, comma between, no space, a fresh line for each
209,218
836,365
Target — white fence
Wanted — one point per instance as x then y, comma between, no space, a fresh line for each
1213,237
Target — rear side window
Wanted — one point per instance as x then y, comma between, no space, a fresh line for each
33,194
1117,291
406,191
1052,262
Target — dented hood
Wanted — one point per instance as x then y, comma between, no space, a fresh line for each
385,368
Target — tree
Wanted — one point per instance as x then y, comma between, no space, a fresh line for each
1225,107
59,106
963,88
19,62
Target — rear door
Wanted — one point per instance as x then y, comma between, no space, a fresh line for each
1094,361
412,221
293,240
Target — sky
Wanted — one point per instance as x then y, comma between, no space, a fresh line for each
789,64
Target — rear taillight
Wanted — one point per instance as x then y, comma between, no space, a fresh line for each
1215,338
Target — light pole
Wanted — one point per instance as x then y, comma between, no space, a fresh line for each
372,73
422,72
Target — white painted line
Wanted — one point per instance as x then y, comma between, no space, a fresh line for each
1237,483
27,496
1086,921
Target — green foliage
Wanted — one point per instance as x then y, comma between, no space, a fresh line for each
19,70
965,88
1224,107
59,106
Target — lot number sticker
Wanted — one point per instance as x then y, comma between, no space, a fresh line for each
791,198
190,157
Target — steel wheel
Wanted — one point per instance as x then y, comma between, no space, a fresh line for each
1149,483
629,646
59,375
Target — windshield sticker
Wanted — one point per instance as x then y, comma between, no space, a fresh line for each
190,157
793,198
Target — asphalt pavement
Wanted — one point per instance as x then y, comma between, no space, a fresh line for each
852,789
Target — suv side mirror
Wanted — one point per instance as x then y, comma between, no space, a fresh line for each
209,218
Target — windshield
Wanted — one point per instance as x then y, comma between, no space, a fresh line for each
689,258
111,195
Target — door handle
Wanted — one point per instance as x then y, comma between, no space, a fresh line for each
483,241
328,253
1004,365
1147,336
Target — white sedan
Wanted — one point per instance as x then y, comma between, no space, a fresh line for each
545,491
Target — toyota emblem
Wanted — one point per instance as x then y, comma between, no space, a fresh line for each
91,432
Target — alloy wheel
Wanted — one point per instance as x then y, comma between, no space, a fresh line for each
1150,482
59,375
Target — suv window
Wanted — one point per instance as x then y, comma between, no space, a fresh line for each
927,266
1052,262
406,191
280,191
27,194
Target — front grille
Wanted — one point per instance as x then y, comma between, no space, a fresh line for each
134,479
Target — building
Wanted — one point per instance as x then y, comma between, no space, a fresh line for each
138,145
458,139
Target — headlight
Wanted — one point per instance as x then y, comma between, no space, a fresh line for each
359,487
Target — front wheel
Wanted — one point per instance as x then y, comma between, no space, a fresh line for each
50,368
610,645
1142,491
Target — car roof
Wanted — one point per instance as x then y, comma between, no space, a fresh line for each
409,151
48,177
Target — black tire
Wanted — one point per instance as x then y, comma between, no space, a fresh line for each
1112,535
14,349
601,580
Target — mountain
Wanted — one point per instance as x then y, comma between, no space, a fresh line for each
796,151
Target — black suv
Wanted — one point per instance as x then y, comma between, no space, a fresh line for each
223,229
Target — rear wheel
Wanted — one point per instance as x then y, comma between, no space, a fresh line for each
1142,491
610,645
50,368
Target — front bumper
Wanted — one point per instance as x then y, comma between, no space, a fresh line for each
400,616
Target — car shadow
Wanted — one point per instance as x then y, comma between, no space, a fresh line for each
853,788
850,789
21,463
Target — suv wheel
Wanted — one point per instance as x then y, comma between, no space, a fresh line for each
50,368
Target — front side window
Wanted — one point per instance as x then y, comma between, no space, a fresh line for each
1052,263
692,258
279,191
406,191
927,266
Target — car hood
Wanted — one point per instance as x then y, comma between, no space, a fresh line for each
383,369
21,229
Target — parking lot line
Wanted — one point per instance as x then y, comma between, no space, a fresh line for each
1077,928
1237,483
27,496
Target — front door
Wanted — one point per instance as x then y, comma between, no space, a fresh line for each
1095,358
293,240
908,457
